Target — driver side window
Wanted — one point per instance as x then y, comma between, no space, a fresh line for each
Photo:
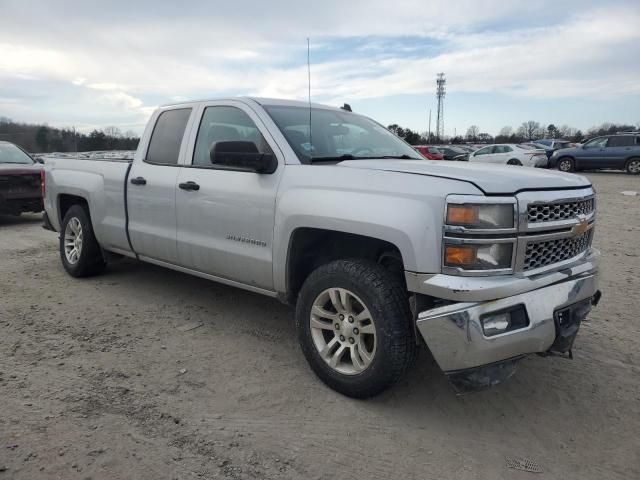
597,142
226,124
484,151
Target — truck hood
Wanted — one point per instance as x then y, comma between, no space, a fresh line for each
491,179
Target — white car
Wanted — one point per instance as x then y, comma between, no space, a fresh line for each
511,154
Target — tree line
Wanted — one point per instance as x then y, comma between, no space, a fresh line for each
526,132
46,139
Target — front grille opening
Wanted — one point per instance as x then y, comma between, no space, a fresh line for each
541,254
550,212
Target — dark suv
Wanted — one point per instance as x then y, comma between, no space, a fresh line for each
620,151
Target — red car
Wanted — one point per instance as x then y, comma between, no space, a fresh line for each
430,153
20,181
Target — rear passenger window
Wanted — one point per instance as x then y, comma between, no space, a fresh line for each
620,141
167,135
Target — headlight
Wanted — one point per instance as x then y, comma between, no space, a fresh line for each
489,256
480,216
479,235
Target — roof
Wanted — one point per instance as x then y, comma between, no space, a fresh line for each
259,100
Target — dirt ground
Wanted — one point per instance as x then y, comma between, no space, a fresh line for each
107,378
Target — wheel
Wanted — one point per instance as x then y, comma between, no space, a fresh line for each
565,164
633,166
514,161
79,250
354,327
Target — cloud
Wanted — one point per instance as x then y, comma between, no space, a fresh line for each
128,56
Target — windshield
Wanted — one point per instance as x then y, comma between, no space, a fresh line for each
336,135
9,153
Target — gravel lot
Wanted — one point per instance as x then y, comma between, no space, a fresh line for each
107,378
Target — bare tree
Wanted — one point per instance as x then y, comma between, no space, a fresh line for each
113,132
472,133
505,131
529,130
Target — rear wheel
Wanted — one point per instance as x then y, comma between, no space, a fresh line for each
354,327
79,250
633,166
565,164
514,161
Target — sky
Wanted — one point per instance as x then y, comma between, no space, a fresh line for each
98,64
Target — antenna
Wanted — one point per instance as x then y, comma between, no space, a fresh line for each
440,93
309,96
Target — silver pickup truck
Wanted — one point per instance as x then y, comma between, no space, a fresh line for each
380,251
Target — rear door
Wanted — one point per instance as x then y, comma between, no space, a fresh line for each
618,149
225,224
151,188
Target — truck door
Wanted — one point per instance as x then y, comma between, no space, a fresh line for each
151,189
619,148
225,215
593,153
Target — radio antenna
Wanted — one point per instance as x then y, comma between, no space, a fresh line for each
309,96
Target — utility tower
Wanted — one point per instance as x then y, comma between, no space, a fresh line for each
440,93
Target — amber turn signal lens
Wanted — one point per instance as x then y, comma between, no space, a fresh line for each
462,214
459,255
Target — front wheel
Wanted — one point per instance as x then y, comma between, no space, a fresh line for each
633,166
565,164
79,250
354,327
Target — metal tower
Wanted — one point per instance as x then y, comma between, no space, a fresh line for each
440,93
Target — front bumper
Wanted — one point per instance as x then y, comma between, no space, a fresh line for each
455,336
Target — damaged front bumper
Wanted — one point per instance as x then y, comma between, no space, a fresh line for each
547,322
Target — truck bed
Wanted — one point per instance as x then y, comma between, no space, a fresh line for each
103,182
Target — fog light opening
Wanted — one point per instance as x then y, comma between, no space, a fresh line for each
504,321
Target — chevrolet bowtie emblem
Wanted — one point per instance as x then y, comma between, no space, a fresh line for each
581,227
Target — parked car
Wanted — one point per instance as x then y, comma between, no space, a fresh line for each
379,251
429,152
510,154
452,152
467,148
20,182
553,143
620,151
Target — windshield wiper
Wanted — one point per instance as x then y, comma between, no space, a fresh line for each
348,156
338,158
400,157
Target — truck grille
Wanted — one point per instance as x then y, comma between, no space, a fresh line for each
550,212
541,254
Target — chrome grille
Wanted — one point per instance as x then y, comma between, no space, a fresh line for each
541,254
550,212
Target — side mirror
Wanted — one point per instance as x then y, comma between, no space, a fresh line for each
242,155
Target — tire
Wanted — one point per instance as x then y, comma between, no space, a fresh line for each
514,161
565,164
633,166
381,357
87,259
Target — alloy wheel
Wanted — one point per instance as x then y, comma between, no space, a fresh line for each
343,331
73,240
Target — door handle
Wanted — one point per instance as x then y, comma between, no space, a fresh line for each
139,181
191,186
